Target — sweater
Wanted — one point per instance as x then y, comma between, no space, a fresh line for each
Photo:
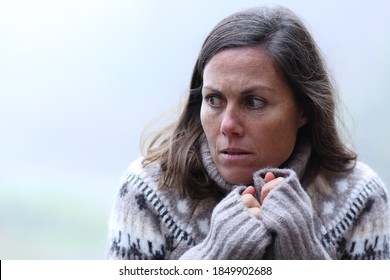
336,216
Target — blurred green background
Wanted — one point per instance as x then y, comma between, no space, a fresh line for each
80,79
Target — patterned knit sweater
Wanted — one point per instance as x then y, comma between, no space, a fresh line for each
335,217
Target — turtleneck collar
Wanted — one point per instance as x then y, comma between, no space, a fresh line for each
297,162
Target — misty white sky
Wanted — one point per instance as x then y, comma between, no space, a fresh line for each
80,79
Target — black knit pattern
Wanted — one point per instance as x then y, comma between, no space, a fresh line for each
179,233
334,235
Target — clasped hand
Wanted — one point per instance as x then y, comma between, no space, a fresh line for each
248,195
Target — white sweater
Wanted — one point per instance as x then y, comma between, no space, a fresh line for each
335,217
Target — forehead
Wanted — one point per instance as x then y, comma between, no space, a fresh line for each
245,56
242,67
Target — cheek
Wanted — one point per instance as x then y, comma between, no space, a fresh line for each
277,140
284,121
209,123
283,132
203,119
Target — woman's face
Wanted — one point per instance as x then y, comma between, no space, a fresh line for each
249,114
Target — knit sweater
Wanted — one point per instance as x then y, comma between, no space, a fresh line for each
345,216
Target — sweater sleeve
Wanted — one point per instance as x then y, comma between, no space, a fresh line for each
234,233
134,231
287,213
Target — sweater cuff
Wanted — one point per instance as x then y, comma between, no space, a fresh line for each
234,233
287,212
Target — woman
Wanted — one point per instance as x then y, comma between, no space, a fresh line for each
254,167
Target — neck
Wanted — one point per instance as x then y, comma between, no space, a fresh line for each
297,162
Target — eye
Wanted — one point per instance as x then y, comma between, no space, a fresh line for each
254,102
215,101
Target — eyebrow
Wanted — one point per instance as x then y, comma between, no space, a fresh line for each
245,91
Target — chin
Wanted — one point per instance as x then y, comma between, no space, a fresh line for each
239,180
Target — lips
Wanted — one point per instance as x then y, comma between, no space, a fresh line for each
234,151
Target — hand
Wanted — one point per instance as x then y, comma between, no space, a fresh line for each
248,195
253,205
270,183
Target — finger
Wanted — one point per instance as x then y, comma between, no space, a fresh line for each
269,176
267,188
250,201
249,190
255,211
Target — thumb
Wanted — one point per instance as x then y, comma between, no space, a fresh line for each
269,176
249,190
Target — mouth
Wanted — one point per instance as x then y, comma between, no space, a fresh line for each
234,152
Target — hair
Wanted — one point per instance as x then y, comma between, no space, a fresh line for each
295,54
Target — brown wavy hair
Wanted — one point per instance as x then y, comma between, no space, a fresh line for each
288,42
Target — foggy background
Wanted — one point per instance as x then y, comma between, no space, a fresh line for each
79,80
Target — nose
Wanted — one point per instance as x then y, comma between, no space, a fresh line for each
231,124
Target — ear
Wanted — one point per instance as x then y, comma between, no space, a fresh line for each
303,120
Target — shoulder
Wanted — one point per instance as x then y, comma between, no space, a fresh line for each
369,188
364,180
361,179
343,197
140,193
150,174
136,186
352,206
354,188
134,229
364,174
366,212
139,180
146,216
133,185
